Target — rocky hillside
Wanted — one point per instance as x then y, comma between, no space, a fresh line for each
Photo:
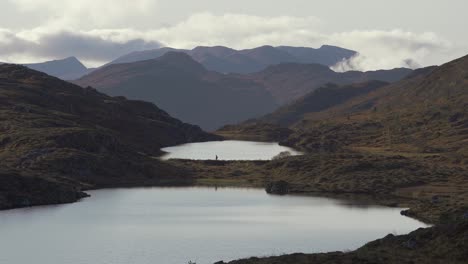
185,89
58,138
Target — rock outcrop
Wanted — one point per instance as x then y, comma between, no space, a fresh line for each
277,187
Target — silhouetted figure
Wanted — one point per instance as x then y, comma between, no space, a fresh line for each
216,157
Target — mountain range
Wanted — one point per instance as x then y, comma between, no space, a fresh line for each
217,58
227,60
190,92
185,89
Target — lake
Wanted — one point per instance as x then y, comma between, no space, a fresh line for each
175,225
227,150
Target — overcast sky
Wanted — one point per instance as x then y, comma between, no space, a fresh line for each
386,33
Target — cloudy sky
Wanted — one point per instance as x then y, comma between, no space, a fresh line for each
386,33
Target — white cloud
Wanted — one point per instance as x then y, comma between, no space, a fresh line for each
237,30
379,48
91,47
389,49
88,14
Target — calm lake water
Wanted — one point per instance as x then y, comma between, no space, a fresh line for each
175,225
227,150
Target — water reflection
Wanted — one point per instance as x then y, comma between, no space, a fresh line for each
227,150
174,225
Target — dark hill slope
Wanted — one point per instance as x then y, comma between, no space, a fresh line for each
57,138
185,89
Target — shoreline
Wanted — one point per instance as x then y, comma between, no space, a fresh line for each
359,199
254,174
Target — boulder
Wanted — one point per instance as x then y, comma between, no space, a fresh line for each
277,187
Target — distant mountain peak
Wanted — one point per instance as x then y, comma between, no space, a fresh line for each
181,60
69,68
72,58
228,60
171,55
219,47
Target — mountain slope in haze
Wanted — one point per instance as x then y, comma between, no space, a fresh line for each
143,55
58,138
275,126
318,100
66,69
185,89
227,60
290,81
325,55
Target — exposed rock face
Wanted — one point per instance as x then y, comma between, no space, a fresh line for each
277,187
57,138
